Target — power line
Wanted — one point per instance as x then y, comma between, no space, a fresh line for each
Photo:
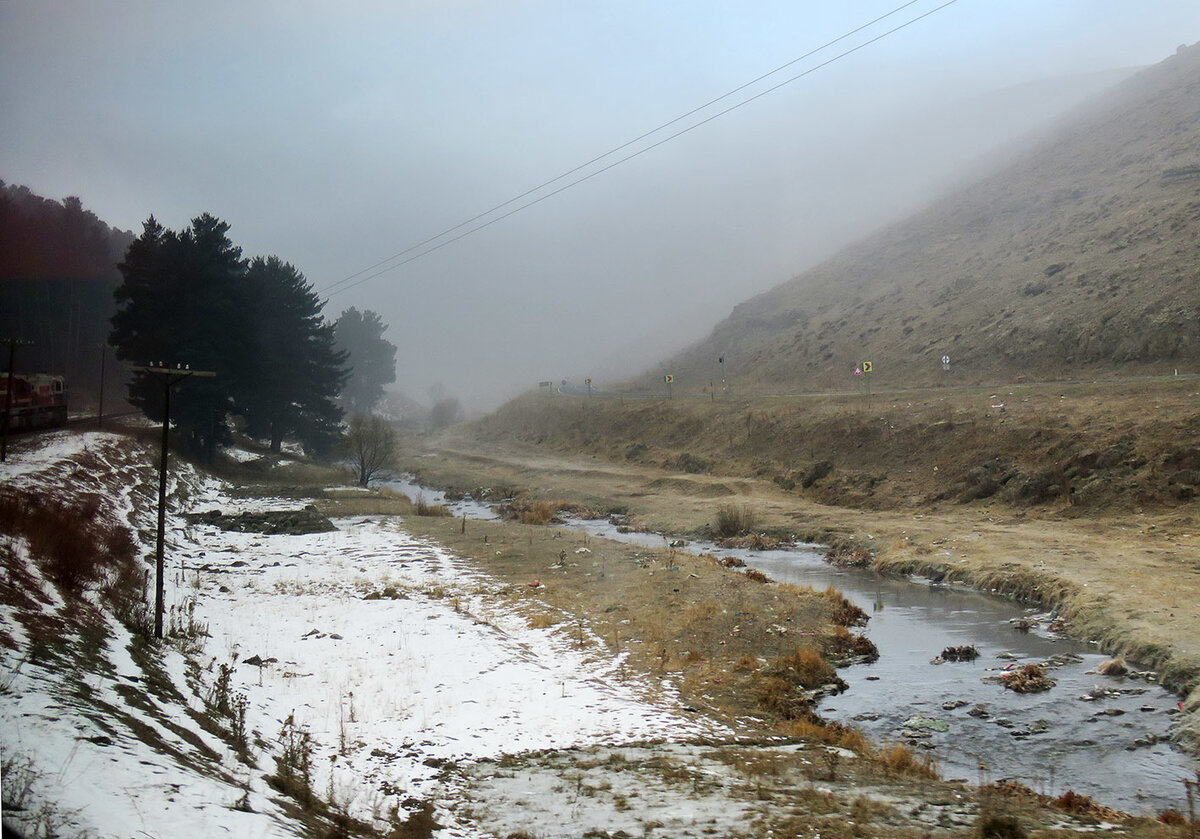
344,284
616,149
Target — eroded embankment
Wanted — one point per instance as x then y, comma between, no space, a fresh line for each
1092,445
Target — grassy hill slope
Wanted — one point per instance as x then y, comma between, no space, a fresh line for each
1080,257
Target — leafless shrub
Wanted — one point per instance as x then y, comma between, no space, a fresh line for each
18,777
370,446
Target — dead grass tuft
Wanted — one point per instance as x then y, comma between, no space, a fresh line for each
1113,667
746,664
966,652
843,644
1086,807
844,612
993,826
816,730
900,760
733,522
780,697
424,508
531,512
543,620
849,558
807,668
1174,818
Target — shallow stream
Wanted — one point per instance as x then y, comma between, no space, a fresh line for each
1100,736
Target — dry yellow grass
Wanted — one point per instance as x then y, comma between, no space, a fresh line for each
1122,574
543,620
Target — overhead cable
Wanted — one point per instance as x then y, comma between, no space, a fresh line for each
345,283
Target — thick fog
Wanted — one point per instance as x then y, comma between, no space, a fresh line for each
337,135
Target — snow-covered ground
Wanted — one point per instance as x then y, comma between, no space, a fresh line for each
392,654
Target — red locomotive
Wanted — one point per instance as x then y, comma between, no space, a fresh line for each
39,400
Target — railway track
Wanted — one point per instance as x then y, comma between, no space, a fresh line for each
72,422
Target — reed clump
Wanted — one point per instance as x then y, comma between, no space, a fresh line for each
734,521
899,759
424,508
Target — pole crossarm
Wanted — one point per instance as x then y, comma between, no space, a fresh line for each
175,374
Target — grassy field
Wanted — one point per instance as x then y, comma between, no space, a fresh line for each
1080,496
738,649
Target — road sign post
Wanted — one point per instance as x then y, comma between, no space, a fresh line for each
866,368
669,379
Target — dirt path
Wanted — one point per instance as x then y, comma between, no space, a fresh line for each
1130,582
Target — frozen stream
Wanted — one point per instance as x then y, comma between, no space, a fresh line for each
1114,747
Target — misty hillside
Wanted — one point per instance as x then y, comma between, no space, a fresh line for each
1081,257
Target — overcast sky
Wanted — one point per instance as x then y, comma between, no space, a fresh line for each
335,135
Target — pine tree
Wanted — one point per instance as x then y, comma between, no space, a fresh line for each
298,371
372,358
184,301
189,298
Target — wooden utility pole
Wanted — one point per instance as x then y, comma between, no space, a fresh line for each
170,377
100,409
13,343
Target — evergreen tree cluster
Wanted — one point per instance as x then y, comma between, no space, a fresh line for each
189,298
52,240
58,269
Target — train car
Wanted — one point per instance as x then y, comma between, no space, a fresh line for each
39,400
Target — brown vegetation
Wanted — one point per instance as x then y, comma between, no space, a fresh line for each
900,759
733,521
1083,805
963,653
1031,678
75,545
531,511
424,508
668,612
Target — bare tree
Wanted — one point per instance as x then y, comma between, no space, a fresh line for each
370,446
